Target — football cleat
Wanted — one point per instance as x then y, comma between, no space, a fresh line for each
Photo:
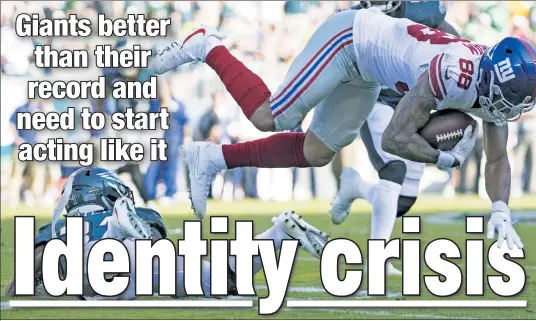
126,219
202,172
348,192
195,47
309,237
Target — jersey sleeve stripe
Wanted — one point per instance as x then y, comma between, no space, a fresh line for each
440,76
434,84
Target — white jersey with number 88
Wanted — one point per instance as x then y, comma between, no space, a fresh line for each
396,52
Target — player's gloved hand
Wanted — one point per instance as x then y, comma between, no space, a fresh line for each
457,155
502,222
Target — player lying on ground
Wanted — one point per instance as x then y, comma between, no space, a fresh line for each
107,206
398,187
344,62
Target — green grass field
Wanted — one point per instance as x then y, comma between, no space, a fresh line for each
305,282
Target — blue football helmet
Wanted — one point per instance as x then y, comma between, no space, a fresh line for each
507,80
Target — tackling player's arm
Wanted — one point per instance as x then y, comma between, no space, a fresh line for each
497,172
448,28
412,113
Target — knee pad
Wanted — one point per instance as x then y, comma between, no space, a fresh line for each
394,171
404,204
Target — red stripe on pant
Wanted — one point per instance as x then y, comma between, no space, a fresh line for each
310,62
282,109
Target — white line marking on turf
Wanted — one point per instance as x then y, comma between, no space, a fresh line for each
307,258
298,289
131,304
174,231
385,314
4,305
310,289
405,304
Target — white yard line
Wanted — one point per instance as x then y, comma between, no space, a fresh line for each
383,313
131,304
312,289
406,304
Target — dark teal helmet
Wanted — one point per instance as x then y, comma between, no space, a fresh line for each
429,13
95,186
90,189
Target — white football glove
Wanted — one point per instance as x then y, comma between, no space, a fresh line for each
459,152
502,222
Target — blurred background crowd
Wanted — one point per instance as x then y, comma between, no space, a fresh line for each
266,36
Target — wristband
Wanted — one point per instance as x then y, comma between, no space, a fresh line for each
500,206
445,160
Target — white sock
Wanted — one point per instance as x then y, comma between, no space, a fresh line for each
273,233
384,208
366,191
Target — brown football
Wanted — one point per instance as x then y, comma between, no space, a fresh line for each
445,128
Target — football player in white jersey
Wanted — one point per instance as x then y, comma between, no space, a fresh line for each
107,206
397,190
345,61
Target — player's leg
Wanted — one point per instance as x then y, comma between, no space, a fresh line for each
171,170
391,169
326,60
16,179
287,226
151,179
410,188
336,122
397,176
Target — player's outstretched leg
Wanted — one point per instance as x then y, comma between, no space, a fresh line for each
287,226
382,196
352,187
327,61
247,88
205,160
